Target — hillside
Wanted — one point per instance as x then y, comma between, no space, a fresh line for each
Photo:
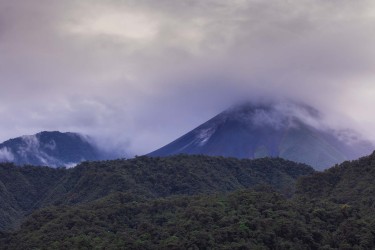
22,190
244,219
350,183
240,220
194,202
290,131
29,188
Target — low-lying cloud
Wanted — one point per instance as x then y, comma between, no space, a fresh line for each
6,155
137,74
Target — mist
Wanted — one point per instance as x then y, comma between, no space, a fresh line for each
135,75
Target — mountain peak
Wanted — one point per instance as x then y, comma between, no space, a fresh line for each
274,114
289,130
51,148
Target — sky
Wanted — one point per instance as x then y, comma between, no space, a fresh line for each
137,74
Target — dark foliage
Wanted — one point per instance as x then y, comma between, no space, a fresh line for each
331,210
24,189
351,183
240,220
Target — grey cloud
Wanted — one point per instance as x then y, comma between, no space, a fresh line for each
137,74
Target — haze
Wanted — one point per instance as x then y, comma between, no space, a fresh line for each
136,75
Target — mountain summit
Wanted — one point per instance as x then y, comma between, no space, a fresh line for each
54,149
287,130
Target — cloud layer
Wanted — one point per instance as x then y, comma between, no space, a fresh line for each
137,74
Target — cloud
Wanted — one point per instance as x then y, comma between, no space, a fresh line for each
112,22
6,155
137,74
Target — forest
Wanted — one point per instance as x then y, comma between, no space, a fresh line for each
188,202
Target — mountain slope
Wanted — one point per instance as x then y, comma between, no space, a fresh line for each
348,183
54,149
24,189
236,221
252,131
332,209
245,219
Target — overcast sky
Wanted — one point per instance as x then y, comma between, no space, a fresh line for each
138,74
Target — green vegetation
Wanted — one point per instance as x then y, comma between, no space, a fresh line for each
25,189
22,189
241,220
199,202
350,183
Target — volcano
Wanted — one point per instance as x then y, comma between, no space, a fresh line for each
287,130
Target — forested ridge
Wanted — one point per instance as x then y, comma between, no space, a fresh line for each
199,202
25,189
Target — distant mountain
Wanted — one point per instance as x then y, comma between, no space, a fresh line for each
54,149
291,131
